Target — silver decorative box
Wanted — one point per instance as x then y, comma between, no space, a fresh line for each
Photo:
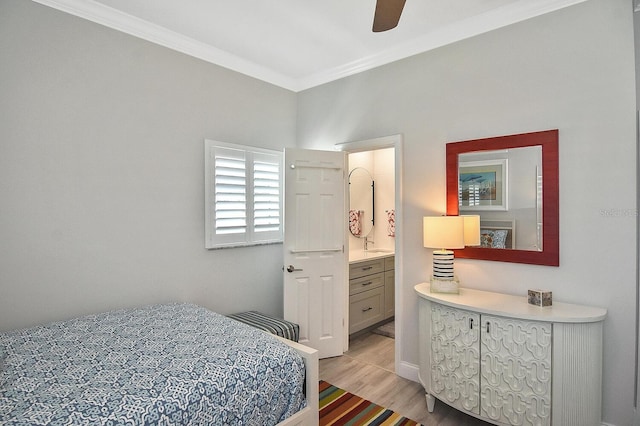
540,298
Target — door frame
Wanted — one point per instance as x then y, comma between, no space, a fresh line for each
395,142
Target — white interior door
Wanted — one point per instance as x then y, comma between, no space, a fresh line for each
315,260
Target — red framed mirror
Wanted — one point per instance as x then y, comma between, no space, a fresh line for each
545,250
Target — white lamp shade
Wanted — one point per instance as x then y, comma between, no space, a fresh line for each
443,232
471,230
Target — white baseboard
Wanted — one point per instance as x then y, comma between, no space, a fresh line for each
408,371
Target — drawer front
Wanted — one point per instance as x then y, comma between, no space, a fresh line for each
366,309
360,269
389,263
358,285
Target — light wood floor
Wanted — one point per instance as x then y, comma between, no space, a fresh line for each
367,370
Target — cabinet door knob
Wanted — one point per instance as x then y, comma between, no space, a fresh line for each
471,323
367,309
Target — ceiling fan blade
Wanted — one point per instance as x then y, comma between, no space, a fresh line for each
387,14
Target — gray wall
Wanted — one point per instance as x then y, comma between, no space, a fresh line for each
102,174
572,70
636,37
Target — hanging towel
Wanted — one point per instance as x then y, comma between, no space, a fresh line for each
355,222
391,227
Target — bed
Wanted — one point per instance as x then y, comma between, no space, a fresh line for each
169,364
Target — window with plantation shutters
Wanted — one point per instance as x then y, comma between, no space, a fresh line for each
243,195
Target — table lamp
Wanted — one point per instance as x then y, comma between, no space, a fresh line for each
444,233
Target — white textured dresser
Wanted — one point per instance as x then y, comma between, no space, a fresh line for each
498,358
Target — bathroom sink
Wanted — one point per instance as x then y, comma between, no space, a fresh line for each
359,255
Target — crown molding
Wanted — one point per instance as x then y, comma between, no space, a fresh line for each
515,12
99,13
117,20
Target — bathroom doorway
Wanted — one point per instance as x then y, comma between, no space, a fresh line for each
376,232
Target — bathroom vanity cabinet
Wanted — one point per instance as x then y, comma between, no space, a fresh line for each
371,291
500,359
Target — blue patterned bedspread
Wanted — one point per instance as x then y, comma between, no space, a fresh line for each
176,364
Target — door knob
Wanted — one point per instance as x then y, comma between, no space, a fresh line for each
292,268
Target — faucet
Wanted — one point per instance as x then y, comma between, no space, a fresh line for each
367,242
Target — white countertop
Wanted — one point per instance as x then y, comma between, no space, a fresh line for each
360,255
513,306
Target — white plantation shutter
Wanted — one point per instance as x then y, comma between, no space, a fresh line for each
230,191
267,195
243,195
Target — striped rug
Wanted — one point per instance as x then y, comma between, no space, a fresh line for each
339,407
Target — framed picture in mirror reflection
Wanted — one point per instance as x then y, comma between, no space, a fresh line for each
483,185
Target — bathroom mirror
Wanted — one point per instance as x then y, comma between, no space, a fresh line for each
512,182
361,202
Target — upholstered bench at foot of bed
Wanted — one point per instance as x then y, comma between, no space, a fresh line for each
273,325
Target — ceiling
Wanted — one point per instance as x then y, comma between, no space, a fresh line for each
299,44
